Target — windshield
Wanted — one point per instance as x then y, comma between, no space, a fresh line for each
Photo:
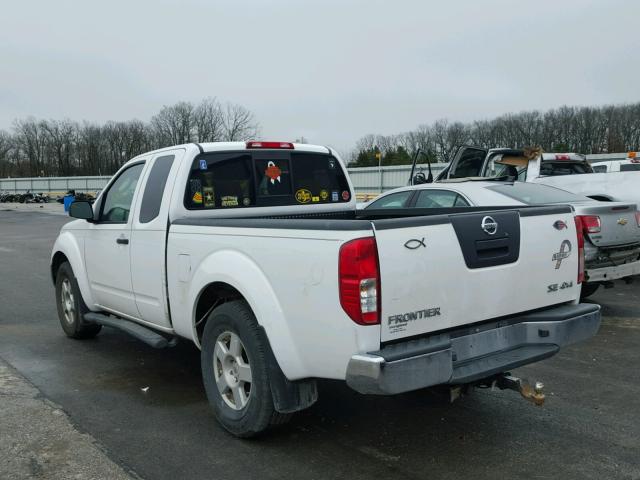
534,194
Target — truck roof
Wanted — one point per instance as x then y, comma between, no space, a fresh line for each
248,145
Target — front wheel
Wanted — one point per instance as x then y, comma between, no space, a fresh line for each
71,307
235,371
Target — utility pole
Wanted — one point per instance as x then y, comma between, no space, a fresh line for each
379,158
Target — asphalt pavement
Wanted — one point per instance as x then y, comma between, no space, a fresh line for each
147,409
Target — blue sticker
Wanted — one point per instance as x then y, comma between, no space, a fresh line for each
203,165
334,196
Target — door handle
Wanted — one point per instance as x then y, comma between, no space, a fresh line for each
122,241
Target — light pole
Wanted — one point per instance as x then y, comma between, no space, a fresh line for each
379,158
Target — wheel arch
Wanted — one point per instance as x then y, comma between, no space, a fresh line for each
67,249
229,274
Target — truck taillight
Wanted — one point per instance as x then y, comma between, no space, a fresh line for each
580,241
590,223
359,280
638,219
276,145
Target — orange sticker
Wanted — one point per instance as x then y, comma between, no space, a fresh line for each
197,197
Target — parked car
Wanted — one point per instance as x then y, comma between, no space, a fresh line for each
568,171
256,254
611,230
630,164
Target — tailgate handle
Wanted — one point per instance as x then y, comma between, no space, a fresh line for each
494,248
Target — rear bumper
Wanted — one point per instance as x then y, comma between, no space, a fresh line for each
473,353
612,273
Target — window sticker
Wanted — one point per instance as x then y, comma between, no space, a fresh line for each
246,201
209,197
334,196
324,195
229,201
315,199
203,164
273,172
303,196
195,189
345,195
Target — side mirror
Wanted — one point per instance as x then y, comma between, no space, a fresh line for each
419,179
81,210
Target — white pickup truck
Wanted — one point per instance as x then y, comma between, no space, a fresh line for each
630,164
256,254
568,171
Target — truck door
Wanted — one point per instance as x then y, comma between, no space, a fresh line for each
467,162
106,247
148,238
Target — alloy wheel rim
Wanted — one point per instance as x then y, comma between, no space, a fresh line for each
67,301
232,370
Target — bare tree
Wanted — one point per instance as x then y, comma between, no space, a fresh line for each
209,121
6,147
174,124
59,141
239,123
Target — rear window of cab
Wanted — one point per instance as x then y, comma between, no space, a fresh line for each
222,180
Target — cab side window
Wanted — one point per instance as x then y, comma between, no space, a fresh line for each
154,189
117,201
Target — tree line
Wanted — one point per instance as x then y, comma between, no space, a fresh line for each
606,129
43,148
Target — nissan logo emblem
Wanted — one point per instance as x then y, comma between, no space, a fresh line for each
489,225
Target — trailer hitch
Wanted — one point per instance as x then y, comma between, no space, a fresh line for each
533,393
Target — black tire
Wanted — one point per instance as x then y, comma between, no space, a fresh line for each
72,321
259,413
588,289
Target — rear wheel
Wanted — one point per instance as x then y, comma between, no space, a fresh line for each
235,371
71,307
588,289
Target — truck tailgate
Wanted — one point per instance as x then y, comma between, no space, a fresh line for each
443,271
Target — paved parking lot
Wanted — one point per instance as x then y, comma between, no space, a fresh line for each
588,429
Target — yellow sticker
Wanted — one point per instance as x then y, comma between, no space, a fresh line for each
229,201
324,195
303,195
315,199
197,197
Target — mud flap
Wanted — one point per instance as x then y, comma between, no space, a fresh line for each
288,396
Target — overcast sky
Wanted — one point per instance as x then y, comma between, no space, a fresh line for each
330,71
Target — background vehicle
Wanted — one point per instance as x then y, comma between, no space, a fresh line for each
563,170
630,164
611,229
255,252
